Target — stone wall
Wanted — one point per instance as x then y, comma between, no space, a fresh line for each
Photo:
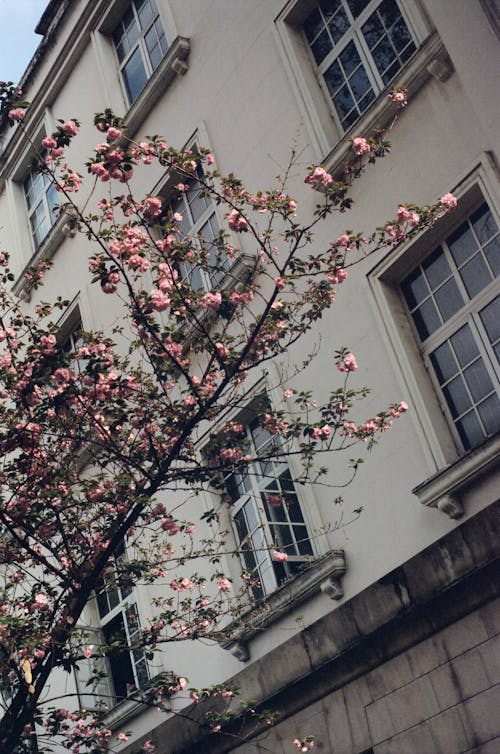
408,666
439,697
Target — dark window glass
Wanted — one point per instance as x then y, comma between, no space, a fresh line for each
135,75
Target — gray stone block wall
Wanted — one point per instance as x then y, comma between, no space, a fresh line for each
441,696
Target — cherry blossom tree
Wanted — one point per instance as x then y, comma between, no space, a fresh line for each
98,440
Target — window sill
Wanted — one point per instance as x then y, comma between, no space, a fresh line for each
442,490
61,229
430,60
127,709
324,574
174,63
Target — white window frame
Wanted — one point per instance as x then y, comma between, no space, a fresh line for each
469,315
126,602
355,35
437,437
329,143
40,199
140,45
269,575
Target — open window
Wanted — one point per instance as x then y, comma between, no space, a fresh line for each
266,514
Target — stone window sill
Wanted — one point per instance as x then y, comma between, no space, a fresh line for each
126,709
442,490
324,574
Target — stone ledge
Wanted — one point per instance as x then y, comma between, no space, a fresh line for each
324,574
442,490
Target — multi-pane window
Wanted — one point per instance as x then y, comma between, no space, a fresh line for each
267,515
199,220
140,44
120,623
453,300
359,46
41,198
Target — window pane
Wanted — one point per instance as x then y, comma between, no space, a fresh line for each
492,251
349,57
462,244
427,319
470,430
338,26
357,6
444,363
475,275
457,397
448,299
321,46
484,224
151,39
478,380
490,317
489,411
134,74
313,25
464,345
436,268
415,289
334,77
145,13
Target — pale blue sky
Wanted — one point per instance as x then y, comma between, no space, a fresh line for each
18,40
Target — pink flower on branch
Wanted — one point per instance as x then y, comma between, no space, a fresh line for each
448,201
17,114
279,557
360,146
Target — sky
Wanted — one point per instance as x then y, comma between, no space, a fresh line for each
18,40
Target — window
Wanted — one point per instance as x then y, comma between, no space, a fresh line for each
199,219
266,515
120,623
358,46
41,198
451,299
140,44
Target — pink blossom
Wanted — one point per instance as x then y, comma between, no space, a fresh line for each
210,159
122,737
347,364
399,97
112,134
149,747
236,222
70,128
223,584
40,602
403,215
279,557
211,301
17,113
152,206
49,142
87,652
448,201
403,407
342,241
360,146
319,179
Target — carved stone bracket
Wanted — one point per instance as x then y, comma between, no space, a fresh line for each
240,650
450,505
332,585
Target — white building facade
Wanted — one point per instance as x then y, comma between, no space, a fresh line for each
385,643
